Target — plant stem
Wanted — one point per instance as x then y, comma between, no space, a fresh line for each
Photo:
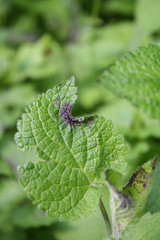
106,218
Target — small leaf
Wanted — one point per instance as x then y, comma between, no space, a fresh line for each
139,186
153,199
136,77
129,203
73,154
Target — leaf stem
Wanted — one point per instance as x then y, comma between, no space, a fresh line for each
106,218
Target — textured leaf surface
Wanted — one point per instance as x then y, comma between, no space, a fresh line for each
128,204
73,153
153,199
146,228
136,76
139,186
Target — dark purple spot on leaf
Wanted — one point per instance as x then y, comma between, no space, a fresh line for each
154,163
144,185
65,115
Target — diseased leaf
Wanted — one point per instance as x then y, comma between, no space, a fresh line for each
73,153
146,228
139,186
136,76
128,204
153,200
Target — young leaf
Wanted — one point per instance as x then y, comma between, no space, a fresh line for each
73,153
139,186
136,77
146,228
128,204
153,200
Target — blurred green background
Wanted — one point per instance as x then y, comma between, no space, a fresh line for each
43,42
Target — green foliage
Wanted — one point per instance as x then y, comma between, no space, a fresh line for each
128,204
90,228
153,200
9,196
76,151
125,7
11,108
146,228
46,58
136,77
139,186
43,42
29,216
143,9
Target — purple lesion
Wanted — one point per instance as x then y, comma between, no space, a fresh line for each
65,115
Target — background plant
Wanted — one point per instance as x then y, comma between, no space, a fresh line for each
43,42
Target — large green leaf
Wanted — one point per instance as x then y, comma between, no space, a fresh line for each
73,153
136,76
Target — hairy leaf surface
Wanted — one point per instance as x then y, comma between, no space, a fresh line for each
136,76
153,200
146,228
73,153
128,204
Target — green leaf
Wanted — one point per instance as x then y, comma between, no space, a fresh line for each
146,228
153,200
128,204
73,154
139,186
136,77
